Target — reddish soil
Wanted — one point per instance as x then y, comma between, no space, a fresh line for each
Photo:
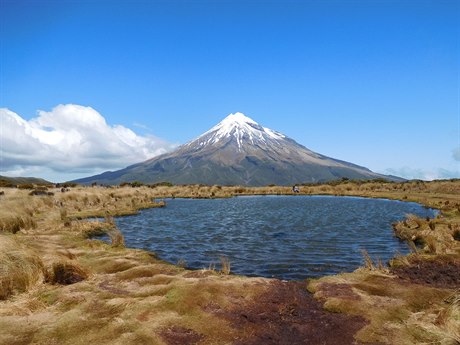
444,272
286,313
198,274
342,291
66,274
106,286
180,336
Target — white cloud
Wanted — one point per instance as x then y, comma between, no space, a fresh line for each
456,154
421,174
69,140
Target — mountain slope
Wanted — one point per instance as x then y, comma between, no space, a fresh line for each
238,151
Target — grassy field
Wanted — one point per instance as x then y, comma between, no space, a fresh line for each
59,286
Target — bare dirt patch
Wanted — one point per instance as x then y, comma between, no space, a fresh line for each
176,335
286,313
343,291
199,274
106,286
66,273
443,272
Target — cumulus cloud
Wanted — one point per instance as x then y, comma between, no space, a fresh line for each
70,139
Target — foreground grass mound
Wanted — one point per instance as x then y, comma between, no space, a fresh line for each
20,267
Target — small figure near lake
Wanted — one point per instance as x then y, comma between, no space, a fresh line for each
295,189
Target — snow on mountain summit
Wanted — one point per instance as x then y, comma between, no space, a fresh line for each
240,127
238,118
238,151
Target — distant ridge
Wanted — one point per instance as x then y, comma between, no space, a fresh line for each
24,180
238,151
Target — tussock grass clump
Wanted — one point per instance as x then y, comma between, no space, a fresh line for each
63,215
439,324
181,263
66,273
18,211
448,319
94,229
368,263
20,268
116,237
91,229
371,265
434,236
456,235
15,223
225,265
414,221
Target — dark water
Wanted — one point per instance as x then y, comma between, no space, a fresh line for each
288,237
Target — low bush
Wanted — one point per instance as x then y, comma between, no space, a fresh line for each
67,185
161,184
38,191
7,184
26,186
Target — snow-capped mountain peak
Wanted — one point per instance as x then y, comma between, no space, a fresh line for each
240,127
232,121
238,118
238,151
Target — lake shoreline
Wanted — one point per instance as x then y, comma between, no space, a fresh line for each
312,236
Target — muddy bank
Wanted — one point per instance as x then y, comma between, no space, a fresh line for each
440,272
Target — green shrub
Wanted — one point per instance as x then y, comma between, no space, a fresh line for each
26,186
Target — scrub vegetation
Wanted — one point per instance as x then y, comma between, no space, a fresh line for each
60,285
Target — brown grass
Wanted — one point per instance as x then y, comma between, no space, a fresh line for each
368,263
129,296
116,237
66,273
399,313
20,267
14,224
225,265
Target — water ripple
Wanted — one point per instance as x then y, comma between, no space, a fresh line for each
285,237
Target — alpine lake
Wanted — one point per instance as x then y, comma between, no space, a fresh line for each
285,237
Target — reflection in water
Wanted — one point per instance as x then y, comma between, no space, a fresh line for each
288,237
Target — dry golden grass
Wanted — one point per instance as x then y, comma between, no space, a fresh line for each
20,267
128,296
436,236
116,237
399,313
225,265
17,212
368,263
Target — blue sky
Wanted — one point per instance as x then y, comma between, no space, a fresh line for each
375,83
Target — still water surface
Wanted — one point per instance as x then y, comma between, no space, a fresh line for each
287,237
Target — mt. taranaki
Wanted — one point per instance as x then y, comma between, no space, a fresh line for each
238,151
